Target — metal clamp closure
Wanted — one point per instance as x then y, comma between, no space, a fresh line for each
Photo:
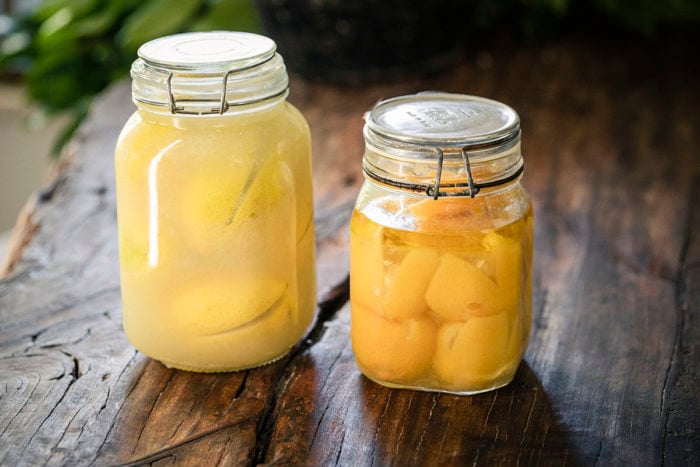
434,190
175,105
471,188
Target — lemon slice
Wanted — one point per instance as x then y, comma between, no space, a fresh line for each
459,290
222,304
388,350
476,352
405,295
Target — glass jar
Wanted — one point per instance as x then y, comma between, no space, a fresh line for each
214,205
441,245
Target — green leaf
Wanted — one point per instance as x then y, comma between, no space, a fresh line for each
229,15
55,23
110,15
154,19
77,8
96,24
46,63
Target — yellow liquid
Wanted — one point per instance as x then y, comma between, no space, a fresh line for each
216,239
446,306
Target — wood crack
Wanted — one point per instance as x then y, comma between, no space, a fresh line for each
152,408
330,397
83,301
333,302
51,412
328,309
529,417
330,371
242,386
47,193
170,450
104,403
63,435
318,425
403,423
488,413
128,365
681,310
599,451
223,451
26,401
379,424
425,428
340,450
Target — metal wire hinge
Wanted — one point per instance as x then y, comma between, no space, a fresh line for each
175,109
222,107
434,190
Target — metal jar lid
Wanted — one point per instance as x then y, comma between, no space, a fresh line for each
440,127
444,120
208,72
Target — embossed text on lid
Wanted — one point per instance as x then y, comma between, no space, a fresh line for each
435,118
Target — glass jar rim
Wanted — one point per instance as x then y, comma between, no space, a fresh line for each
207,52
203,73
441,120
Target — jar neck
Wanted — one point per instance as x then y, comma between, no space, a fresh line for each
155,114
172,91
433,171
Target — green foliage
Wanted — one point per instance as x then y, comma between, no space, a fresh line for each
69,50
155,19
218,17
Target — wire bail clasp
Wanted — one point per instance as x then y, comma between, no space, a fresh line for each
219,105
172,104
434,190
223,104
171,98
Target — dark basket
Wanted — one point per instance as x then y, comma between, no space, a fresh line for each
363,40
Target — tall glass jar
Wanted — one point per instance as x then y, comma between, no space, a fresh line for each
441,245
214,204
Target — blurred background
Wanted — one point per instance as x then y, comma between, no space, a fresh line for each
57,55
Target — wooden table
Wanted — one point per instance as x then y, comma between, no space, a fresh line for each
611,377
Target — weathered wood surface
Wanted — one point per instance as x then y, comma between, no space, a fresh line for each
611,138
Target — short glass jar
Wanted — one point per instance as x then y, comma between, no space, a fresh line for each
214,204
441,245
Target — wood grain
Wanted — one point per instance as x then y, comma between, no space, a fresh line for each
610,133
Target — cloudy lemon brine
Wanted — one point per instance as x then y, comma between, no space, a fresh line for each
216,235
441,246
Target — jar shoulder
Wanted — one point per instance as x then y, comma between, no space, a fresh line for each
446,215
150,132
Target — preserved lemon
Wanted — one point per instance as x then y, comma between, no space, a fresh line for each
477,309
406,289
478,352
214,204
392,350
441,246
